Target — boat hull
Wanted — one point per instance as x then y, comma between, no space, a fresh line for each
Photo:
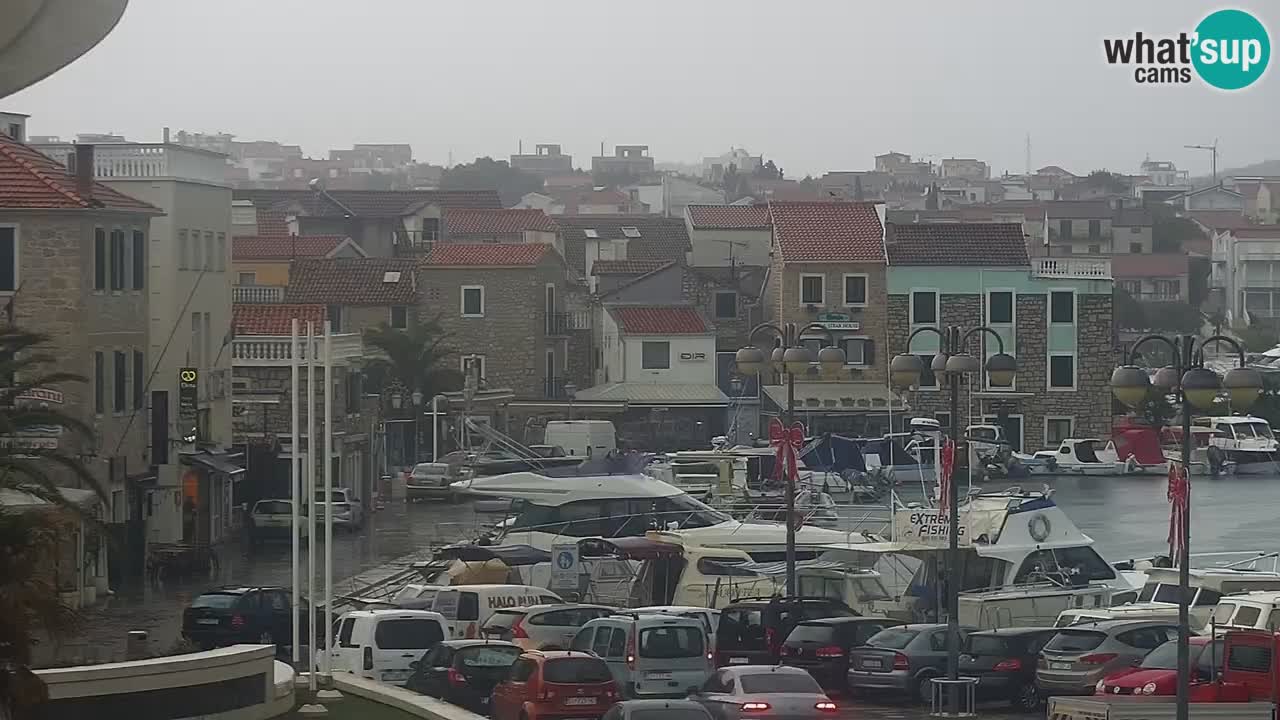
1249,462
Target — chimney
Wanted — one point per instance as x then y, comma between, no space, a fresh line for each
166,136
84,171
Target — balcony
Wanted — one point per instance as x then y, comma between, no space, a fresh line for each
273,351
1076,268
148,161
562,324
414,242
257,294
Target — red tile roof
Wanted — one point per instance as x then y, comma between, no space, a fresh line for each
487,254
1157,265
729,217
971,244
1258,231
828,231
273,319
659,320
471,221
272,223
283,248
352,281
627,267
30,180
366,203
1221,219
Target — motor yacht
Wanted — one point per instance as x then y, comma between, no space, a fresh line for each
1244,440
1159,596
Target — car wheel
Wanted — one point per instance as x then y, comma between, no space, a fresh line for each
924,689
1026,697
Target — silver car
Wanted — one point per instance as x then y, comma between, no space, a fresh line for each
1079,656
763,691
657,710
542,627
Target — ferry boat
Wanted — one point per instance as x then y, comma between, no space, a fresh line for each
1244,440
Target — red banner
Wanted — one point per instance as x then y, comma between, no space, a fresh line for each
944,475
1179,495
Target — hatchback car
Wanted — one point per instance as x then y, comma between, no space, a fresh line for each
1075,659
231,615
751,630
542,627
1158,672
822,646
656,655
903,659
463,672
657,710
273,519
1004,662
554,684
430,481
348,511
764,691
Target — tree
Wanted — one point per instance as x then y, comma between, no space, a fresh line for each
1172,234
768,171
489,174
413,358
32,543
734,184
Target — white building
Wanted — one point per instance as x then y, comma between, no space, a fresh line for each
655,355
672,195
1246,271
728,235
713,168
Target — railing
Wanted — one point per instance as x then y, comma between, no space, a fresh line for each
1092,268
274,349
134,161
414,242
567,322
256,294
1156,296
553,388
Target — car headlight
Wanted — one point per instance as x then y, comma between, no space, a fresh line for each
1149,689
1101,687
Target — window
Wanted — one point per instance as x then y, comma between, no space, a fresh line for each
1135,248
631,232
855,290
1095,229
399,317
472,301
332,313
1081,561
139,381
197,251
1249,658
581,641
208,250
1133,287
671,642
139,259
99,382
1062,372
407,633
655,355
924,308
943,418
247,278
473,364
1001,307
221,257
1064,229
1062,306
1057,429
601,645
117,259
119,382
1095,249
99,259
857,351
811,289
591,234
726,305
928,381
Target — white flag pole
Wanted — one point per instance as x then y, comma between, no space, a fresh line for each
328,494
294,493
310,500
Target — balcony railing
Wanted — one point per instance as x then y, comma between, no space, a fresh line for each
140,161
568,322
414,242
1080,268
257,294
273,350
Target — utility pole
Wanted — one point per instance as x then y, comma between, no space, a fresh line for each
1213,155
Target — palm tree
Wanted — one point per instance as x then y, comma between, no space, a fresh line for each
31,542
413,358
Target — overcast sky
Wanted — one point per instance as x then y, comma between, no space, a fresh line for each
814,85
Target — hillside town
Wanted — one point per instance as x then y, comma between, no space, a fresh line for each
555,406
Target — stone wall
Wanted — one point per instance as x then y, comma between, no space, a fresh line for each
872,317
699,290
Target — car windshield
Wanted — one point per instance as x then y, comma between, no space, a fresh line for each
893,638
986,645
488,657
816,632
1075,640
778,682
671,642
216,601
1165,657
334,496
273,507
407,634
576,671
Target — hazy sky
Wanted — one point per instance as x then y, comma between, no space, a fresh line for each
814,85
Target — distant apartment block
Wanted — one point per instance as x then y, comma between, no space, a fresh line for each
547,159
626,160
965,168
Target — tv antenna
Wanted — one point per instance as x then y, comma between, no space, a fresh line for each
1213,154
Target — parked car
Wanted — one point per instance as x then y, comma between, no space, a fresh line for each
1157,674
710,617
382,645
1004,661
657,710
348,511
903,659
822,646
554,684
430,481
542,627
231,615
467,607
463,672
1075,659
751,630
649,655
763,691
270,519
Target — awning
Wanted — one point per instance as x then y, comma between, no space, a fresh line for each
512,555
18,501
216,462
638,394
838,397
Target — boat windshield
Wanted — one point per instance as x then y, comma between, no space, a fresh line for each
1160,592
1249,430
1070,565
617,517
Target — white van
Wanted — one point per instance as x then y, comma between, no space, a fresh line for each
582,438
466,607
381,644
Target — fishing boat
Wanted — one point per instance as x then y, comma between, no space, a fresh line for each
1244,440
1084,456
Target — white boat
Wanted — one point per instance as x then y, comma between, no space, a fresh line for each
1244,440
1159,596
1083,456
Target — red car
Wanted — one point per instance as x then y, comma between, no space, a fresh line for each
555,683
1158,672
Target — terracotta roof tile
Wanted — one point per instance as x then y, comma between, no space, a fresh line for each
659,320
626,267
971,244
366,203
1221,219
283,248
1258,231
1156,265
659,238
272,319
487,254
828,231
30,180
471,221
352,281
272,223
729,217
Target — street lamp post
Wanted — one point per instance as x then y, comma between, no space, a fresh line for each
790,358
952,361
1196,387
417,425
570,392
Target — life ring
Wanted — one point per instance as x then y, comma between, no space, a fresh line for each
1039,527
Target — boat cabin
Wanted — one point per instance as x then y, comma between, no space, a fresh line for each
1208,586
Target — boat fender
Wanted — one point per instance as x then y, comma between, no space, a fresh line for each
1216,459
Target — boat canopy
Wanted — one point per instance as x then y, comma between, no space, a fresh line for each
628,548
1142,442
779,569
510,555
